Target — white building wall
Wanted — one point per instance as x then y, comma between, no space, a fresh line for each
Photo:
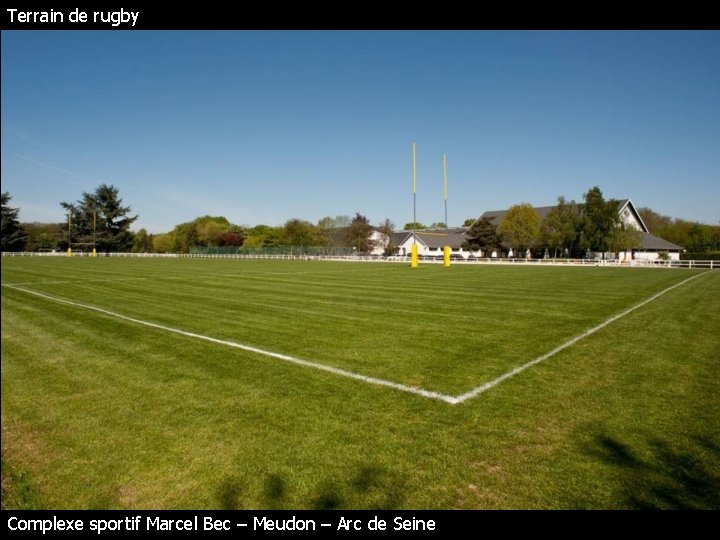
379,242
406,246
629,218
654,255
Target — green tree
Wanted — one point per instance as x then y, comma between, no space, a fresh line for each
234,236
298,232
703,238
43,236
143,242
414,226
263,236
163,243
624,237
438,225
387,227
520,227
483,235
342,221
653,221
12,236
469,221
206,231
184,236
599,219
100,218
324,229
209,232
358,234
558,231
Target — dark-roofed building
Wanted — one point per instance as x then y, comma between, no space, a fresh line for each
650,247
431,241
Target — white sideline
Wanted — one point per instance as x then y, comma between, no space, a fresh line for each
249,348
453,400
488,385
60,282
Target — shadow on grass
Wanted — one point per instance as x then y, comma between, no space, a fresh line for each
665,477
366,487
228,494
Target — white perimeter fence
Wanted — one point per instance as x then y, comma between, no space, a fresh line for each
638,263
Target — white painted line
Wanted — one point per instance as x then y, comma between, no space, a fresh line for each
66,281
453,400
249,348
488,385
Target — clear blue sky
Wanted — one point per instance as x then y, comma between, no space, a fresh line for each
264,126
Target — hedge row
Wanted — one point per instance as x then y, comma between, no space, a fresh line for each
700,256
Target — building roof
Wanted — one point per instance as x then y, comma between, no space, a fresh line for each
399,237
654,243
496,216
648,241
433,238
438,239
627,203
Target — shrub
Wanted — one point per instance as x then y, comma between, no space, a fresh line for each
700,256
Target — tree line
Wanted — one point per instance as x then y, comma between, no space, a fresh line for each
568,230
100,219
216,231
573,229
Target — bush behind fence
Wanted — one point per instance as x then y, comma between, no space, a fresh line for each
710,264
272,250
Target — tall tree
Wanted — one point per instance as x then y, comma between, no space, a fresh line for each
358,234
13,237
624,237
653,221
298,232
387,227
209,232
694,237
520,227
163,243
143,242
324,230
234,236
184,236
599,218
43,236
483,235
558,230
100,217
206,231
263,236
342,221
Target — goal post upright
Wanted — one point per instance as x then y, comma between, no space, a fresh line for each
446,248
414,249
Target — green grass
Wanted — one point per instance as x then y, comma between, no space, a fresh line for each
106,413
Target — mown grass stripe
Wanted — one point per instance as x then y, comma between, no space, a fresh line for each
491,384
453,400
249,348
